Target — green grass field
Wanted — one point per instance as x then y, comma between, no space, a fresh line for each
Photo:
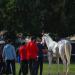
53,69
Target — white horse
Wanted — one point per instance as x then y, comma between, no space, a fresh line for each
61,49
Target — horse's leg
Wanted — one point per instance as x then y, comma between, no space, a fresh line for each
64,61
50,60
58,64
68,56
57,60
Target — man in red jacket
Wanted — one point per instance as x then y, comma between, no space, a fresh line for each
23,59
32,54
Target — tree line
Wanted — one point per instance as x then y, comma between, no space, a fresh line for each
55,16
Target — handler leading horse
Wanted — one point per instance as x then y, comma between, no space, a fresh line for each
61,49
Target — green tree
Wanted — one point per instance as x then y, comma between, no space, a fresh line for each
55,16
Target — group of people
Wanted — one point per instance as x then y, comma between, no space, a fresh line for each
31,56
30,53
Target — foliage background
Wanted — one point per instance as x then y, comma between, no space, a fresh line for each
55,16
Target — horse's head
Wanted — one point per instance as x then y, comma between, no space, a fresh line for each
44,38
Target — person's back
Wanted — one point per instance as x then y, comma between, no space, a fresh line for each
40,51
23,52
32,49
9,52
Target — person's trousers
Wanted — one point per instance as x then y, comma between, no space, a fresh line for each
24,67
39,66
32,66
10,67
1,68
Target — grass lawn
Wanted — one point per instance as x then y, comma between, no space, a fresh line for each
53,69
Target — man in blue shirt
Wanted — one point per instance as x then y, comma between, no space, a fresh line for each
9,56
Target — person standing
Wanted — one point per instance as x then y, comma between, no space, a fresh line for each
40,56
9,56
32,53
23,59
2,67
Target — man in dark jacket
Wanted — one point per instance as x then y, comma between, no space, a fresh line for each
1,58
40,56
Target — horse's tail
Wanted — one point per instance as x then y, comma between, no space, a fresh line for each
68,51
